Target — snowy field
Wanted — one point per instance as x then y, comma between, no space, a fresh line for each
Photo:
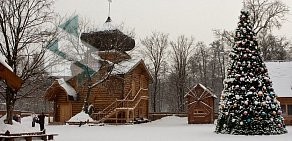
167,129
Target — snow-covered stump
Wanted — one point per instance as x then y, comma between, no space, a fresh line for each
80,119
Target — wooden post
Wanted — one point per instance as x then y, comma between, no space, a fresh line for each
127,116
116,113
116,117
133,114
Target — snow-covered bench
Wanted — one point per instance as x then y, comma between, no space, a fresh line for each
27,136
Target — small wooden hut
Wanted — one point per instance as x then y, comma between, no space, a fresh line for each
200,105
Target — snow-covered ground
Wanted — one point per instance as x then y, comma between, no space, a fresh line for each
167,129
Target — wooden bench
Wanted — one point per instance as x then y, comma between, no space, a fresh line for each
27,136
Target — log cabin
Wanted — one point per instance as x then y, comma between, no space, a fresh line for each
200,105
121,97
281,76
117,86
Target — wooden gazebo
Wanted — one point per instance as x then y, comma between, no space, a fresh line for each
200,104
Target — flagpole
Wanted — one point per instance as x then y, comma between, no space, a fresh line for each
109,8
244,6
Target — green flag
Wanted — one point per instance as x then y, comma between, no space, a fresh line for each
54,45
71,26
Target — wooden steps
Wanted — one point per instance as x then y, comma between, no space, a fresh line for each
120,110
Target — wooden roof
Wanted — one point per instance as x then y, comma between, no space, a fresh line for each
10,77
63,85
108,40
127,66
191,93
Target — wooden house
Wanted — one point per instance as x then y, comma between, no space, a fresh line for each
281,76
200,105
118,85
121,98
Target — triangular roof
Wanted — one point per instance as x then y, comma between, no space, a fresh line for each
61,83
281,76
127,66
190,93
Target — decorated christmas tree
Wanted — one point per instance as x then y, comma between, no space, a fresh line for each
248,104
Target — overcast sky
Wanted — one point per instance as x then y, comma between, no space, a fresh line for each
176,17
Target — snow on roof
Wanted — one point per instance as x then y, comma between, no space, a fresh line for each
281,76
69,89
207,90
202,86
2,61
14,128
82,116
125,66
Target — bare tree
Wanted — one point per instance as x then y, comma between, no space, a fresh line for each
155,51
182,50
265,15
23,34
273,47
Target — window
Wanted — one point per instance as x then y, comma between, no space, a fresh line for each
289,109
284,110
199,113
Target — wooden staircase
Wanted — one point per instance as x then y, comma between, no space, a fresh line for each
124,107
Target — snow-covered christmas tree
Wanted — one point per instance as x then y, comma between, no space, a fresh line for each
248,103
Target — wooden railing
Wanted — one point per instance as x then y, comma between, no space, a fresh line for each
101,116
107,111
131,103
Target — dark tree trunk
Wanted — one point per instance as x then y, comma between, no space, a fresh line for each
9,105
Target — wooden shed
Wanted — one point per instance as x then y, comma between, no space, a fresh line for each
281,76
121,97
200,105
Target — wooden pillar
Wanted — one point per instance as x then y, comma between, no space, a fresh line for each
133,114
127,115
116,117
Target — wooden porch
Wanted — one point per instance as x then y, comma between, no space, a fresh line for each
123,111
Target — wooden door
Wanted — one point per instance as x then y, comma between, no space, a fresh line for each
65,112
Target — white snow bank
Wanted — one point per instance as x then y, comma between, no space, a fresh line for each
2,61
15,128
82,116
69,89
166,129
170,121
